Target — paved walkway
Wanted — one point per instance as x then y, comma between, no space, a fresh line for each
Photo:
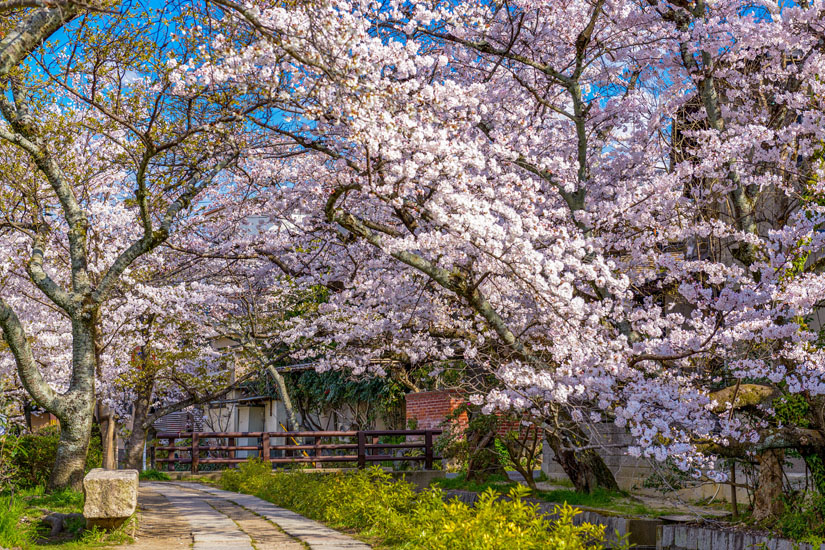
220,520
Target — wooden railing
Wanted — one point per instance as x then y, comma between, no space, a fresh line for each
221,448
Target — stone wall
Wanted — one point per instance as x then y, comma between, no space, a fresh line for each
649,533
689,537
630,472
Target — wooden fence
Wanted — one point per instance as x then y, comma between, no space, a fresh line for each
298,447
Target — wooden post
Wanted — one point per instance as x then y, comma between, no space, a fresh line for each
317,451
195,452
265,448
362,449
428,450
232,452
152,437
171,454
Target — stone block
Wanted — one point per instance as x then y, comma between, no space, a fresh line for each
110,497
420,478
667,541
721,540
642,532
680,539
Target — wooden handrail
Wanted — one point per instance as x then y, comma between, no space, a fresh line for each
364,442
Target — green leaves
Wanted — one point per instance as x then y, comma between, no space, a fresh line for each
375,505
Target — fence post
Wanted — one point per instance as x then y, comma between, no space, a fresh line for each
362,449
265,448
428,450
317,451
232,453
195,452
171,454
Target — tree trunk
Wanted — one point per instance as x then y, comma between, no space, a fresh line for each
137,439
483,460
134,449
75,432
290,410
107,432
75,409
767,502
110,448
586,469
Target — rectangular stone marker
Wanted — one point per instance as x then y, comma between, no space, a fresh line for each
111,497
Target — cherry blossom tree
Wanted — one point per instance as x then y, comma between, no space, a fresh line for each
102,163
623,195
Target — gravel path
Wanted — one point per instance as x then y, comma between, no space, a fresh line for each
220,520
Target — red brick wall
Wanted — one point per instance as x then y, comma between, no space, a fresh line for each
431,408
513,425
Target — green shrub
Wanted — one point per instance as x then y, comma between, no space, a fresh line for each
154,475
803,518
27,460
373,504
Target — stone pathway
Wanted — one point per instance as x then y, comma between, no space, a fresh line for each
161,527
220,520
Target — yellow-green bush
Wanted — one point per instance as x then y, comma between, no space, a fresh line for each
375,505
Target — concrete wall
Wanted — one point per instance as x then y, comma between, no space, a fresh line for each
688,537
220,418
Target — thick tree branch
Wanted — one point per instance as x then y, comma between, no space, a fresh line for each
42,279
30,32
195,400
15,336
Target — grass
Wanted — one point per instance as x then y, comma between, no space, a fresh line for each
498,483
600,498
20,525
11,534
154,475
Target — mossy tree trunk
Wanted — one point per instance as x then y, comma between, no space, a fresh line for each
136,442
768,503
571,449
585,468
483,460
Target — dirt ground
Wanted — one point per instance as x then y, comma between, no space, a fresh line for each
160,526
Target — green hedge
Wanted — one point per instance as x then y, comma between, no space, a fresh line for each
27,460
371,503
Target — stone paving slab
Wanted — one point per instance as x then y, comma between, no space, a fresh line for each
316,535
211,530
